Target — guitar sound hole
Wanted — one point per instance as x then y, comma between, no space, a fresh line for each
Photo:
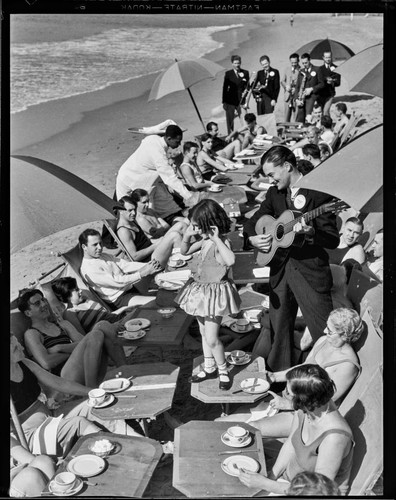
280,231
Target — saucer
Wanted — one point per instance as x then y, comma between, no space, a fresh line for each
176,264
127,335
226,440
236,330
142,322
109,399
179,256
218,190
243,361
78,484
247,463
86,465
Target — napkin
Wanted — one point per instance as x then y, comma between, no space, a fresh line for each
112,384
129,349
262,272
259,414
264,185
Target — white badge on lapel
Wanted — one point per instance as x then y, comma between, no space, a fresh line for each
313,73
299,201
272,73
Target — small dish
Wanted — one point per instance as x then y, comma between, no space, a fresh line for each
261,385
226,440
215,190
235,329
133,335
76,488
167,312
109,399
142,322
176,263
232,464
115,384
242,362
104,452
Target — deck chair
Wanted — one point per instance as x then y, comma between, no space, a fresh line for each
349,127
362,408
73,259
358,285
111,227
372,223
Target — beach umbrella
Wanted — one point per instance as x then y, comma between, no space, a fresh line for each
46,199
182,75
315,49
364,71
354,173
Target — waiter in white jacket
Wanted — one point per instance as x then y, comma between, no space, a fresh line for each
149,162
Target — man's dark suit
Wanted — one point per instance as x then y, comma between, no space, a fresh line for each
302,279
327,93
233,88
314,80
269,92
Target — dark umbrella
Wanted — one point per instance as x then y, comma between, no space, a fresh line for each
181,75
353,174
315,49
46,199
364,71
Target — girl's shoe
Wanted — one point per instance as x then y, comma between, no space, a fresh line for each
201,376
224,385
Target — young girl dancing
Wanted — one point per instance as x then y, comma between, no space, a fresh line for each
210,294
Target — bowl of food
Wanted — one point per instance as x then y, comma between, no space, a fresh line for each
167,312
102,448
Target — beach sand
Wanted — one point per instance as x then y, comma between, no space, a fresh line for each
88,135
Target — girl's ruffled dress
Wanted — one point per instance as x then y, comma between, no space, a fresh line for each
209,292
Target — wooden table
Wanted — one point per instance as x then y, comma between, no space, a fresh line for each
238,179
208,391
248,168
154,386
128,469
242,270
197,471
228,193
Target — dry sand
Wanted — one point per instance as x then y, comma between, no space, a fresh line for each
88,134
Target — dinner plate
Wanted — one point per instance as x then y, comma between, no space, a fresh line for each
226,440
179,256
142,322
259,389
133,335
86,465
236,330
247,463
76,488
113,384
244,361
103,404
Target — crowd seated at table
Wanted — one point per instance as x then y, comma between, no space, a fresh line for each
69,355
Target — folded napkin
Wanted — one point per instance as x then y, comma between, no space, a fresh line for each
227,321
264,185
258,414
262,272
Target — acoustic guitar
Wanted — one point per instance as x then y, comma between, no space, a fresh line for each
282,230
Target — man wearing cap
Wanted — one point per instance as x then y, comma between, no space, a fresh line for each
235,82
149,162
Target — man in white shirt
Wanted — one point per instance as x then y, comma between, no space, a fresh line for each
112,278
149,162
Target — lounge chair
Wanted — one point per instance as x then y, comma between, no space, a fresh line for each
111,227
348,130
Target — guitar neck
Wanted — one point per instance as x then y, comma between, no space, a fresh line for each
308,216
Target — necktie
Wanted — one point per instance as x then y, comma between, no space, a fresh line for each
289,202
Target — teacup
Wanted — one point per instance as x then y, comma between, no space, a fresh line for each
215,187
64,481
96,396
242,324
133,327
132,334
253,315
237,433
237,356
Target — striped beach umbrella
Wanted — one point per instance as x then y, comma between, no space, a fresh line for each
315,49
182,75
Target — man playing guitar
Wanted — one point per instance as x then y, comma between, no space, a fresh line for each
302,276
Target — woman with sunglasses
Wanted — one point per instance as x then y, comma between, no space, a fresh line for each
320,439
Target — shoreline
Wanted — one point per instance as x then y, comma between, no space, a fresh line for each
98,142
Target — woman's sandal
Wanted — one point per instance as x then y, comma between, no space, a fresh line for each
194,379
224,385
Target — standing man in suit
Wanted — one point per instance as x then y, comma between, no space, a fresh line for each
309,84
330,79
301,277
289,82
235,82
267,86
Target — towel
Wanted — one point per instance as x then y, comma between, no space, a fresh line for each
262,272
44,438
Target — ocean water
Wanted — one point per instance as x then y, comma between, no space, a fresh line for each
45,71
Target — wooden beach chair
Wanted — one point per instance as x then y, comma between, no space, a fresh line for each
345,136
111,227
372,224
